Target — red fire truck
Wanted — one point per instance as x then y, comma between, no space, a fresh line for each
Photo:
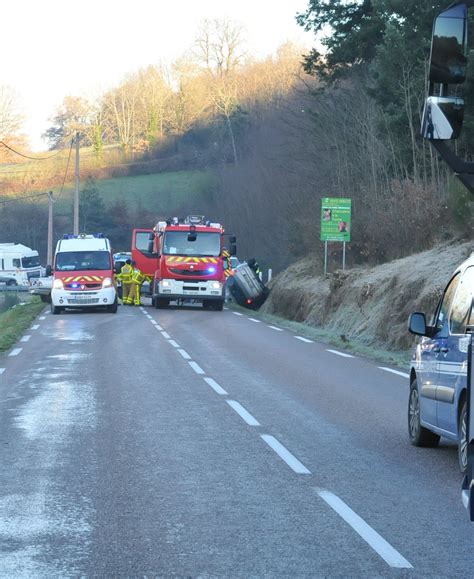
186,259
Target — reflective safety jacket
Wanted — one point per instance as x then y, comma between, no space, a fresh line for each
138,277
126,273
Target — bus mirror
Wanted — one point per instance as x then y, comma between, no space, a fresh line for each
233,249
442,118
232,239
49,271
448,58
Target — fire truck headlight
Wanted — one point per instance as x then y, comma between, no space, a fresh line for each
166,283
58,284
215,285
107,282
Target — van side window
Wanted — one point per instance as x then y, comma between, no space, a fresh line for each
16,263
462,304
446,303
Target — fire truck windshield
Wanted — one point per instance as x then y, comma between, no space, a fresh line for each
185,243
82,260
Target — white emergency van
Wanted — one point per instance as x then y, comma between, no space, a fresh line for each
83,274
18,264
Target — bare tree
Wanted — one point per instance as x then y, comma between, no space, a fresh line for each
219,46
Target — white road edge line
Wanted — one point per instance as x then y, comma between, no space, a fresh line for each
370,536
2,370
35,327
397,372
237,314
185,355
304,339
343,354
285,454
243,413
15,352
254,320
215,386
25,338
174,344
195,366
166,335
275,328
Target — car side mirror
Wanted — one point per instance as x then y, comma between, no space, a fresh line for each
417,324
49,271
117,268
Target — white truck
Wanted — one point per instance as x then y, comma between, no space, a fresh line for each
83,274
19,264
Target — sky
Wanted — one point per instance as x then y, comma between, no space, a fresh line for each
55,48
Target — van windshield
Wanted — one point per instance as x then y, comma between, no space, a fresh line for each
82,260
184,243
32,261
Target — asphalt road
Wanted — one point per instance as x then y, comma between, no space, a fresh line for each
183,442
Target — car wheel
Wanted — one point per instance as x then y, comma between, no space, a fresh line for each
112,309
11,282
419,436
462,446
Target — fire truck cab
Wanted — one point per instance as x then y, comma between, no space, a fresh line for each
187,259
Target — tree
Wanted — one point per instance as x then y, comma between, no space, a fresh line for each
219,46
92,211
74,114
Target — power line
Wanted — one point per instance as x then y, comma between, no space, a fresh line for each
13,199
67,168
26,156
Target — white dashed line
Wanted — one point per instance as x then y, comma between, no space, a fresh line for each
343,354
35,327
148,316
15,352
275,328
154,322
158,327
397,372
237,314
196,367
25,338
185,355
304,340
215,386
165,335
244,414
370,536
254,320
285,454
174,344
42,318
2,370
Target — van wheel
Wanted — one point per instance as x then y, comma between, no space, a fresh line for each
112,309
462,446
55,310
419,436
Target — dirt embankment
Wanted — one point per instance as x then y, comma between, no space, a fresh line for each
369,305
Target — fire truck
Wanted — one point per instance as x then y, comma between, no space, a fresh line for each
186,259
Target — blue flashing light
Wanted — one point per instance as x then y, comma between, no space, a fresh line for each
211,269
75,285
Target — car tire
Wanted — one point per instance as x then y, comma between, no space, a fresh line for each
462,437
112,309
419,436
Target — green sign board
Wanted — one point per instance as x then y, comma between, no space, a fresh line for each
335,219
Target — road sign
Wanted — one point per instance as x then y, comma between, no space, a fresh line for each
468,483
336,215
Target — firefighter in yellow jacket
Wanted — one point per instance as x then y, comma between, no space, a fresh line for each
125,276
138,277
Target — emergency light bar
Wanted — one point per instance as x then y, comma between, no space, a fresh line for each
84,236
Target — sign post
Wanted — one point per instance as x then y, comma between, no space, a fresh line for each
336,221
468,483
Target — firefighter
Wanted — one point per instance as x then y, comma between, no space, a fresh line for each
138,277
125,277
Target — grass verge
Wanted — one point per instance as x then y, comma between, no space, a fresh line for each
16,320
399,359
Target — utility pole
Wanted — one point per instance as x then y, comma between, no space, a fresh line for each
76,190
49,259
